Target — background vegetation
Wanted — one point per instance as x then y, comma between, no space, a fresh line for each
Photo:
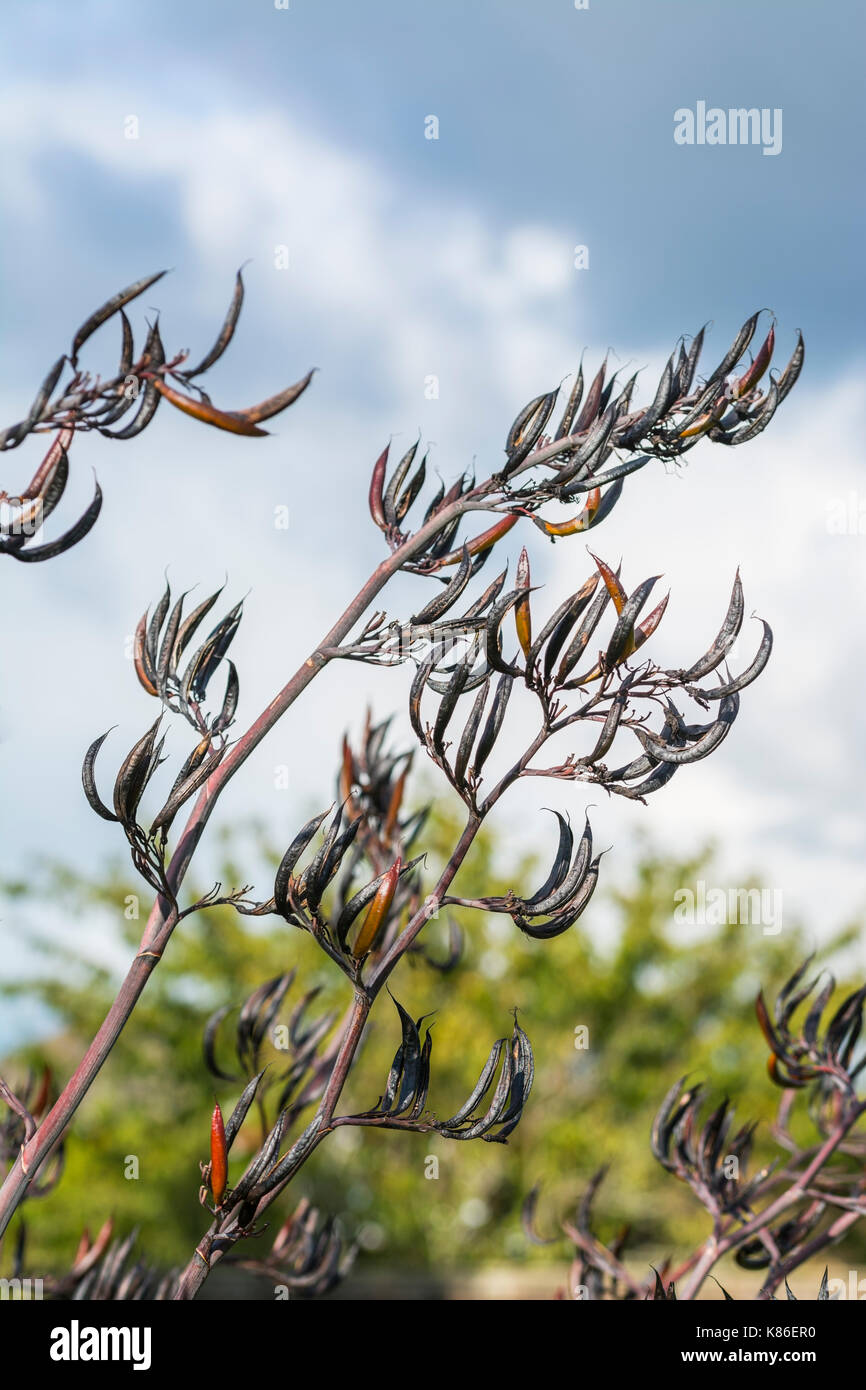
656,998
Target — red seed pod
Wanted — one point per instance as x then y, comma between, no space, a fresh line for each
218,1156
377,489
749,380
377,911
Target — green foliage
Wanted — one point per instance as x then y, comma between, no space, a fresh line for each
616,1009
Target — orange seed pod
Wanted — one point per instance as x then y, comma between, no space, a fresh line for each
377,911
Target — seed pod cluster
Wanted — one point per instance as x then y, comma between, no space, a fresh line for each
84,403
309,1255
701,1156
300,1073
161,640
29,512
104,1270
501,1091
823,1053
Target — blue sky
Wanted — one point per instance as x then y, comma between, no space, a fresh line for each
260,127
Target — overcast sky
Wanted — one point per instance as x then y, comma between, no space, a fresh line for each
257,128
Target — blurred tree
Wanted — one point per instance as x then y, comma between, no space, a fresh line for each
614,1016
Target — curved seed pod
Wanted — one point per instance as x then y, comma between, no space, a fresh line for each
793,368
209,656
390,824
621,642
111,306
493,723
610,475
265,410
218,1157
209,1044
448,704
181,793
378,911
660,403
608,729
239,1114
413,487
164,667
35,553
189,625
761,420
706,744
491,593
560,863
155,626
377,484
593,401
688,375
295,1156
527,428
497,1104
581,638
141,658
230,701
200,410
226,333
43,396
724,639
573,880
736,350
592,452
522,614
612,584
89,782
751,672
467,738
449,595
134,775
488,1071
290,859
493,636
521,1084
750,378
390,499
646,629
314,878
656,780
571,405
365,895
558,626
422,676
575,524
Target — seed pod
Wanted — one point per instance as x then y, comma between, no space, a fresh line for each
377,911
226,333
522,614
749,380
203,410
218,1157
575,524
377,484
